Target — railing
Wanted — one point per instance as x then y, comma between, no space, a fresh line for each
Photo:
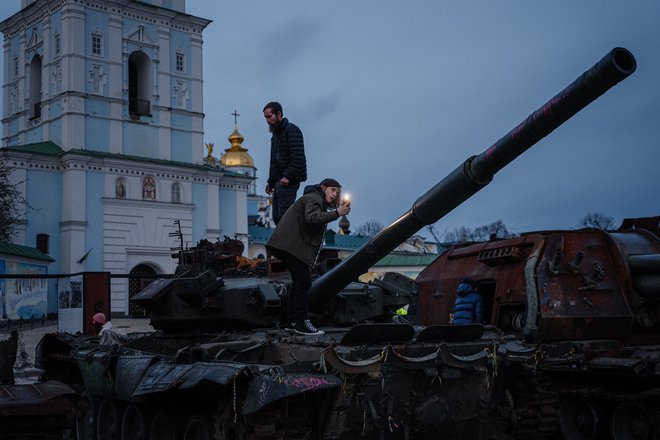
139,107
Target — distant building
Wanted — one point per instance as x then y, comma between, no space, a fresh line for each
402,260
103,123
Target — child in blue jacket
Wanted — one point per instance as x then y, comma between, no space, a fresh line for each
469,305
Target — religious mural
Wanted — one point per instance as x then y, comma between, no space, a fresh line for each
120,188
25,298
176,193
149,188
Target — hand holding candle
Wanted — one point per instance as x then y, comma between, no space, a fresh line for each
346,199
345,205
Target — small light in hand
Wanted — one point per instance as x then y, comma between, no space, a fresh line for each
346,199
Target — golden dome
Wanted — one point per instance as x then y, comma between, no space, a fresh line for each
236,155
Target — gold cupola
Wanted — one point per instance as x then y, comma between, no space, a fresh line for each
236,155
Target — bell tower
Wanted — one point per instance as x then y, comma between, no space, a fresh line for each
114,76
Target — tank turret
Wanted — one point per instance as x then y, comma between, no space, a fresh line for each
477,171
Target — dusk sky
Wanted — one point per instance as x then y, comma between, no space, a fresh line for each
393,95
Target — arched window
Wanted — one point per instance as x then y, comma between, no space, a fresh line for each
141,276
120,188
180,61
149,188
176,193
139,84
35,87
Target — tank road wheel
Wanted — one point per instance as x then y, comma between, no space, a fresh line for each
579,419
86,418
198,428
135,424
108,421
163,427
631,422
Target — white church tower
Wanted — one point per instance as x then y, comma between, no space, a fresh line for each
103,125
116,76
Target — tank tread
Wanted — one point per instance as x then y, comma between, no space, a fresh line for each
539,419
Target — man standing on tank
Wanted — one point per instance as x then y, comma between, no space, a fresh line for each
288,166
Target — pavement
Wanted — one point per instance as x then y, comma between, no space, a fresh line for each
30,334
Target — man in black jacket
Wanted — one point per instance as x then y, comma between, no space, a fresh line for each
288,166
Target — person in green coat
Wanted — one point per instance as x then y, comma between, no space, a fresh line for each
297,240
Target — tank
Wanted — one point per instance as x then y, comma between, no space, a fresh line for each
219,366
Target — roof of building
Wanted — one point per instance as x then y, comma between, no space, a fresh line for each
50,148
406,260
259,234
23,251
334,240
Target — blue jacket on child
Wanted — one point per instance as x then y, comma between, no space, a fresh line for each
468,308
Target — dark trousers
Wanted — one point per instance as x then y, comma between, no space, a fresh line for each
283,197
298,302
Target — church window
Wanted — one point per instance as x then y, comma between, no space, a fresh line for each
57,44
180,61
176,193
120,188
42,243
149,188
35,87
97,44
139,84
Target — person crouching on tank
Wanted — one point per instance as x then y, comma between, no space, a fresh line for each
469,305
297,240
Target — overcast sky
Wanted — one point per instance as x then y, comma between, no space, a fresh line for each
393,95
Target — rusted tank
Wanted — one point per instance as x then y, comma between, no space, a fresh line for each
219,366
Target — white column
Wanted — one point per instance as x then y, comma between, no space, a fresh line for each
213,230
240,210
73,224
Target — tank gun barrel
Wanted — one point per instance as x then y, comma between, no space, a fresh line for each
477,171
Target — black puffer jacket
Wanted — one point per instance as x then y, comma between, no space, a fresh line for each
287,154
301,229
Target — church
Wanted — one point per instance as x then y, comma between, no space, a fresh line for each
103,124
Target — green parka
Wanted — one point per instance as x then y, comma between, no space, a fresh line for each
300,231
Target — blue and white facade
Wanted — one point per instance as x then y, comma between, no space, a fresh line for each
103,123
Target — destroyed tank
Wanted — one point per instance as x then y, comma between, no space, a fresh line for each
219,367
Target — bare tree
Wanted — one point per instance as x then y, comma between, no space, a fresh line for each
458,235
434,232
11,200
597,220
496,229
369,228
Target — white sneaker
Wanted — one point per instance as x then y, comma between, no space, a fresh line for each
306,328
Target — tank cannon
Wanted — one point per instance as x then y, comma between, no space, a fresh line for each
478,171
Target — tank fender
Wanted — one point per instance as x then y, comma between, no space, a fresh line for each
165,376
276,384
133,369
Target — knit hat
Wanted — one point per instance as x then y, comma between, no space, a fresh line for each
99,318
470,282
